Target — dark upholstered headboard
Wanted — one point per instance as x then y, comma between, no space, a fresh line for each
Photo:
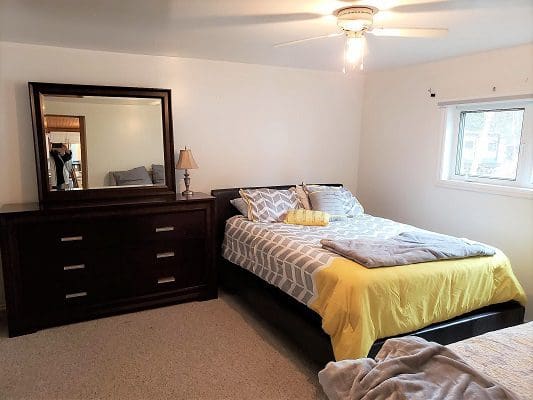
224,209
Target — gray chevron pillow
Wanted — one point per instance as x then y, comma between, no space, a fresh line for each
268,205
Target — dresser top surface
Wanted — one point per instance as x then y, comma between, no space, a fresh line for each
17,208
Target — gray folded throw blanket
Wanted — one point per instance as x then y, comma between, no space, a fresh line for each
406,248
409,368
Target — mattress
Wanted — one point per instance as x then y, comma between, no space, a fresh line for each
505,356
360,305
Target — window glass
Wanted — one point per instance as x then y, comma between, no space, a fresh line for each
489,143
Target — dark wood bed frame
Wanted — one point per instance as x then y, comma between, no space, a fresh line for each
302,326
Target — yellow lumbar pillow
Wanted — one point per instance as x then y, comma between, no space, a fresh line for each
301,216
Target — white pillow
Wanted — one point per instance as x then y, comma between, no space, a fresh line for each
240,205
352,207
350,204
328,201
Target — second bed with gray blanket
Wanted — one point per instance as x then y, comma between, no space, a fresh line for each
496,365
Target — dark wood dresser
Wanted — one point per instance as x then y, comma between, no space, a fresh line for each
65,264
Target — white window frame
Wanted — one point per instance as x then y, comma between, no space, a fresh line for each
522,186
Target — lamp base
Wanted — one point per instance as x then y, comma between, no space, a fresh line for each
187,181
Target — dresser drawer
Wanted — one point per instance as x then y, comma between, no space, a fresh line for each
96,271
68,236
168,226
167,265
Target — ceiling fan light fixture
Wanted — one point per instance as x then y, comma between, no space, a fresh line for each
355,19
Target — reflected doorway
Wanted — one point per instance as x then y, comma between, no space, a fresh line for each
66,132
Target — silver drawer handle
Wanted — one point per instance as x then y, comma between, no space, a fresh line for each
73,295
165,255
164,229
71,238
167,279
72,267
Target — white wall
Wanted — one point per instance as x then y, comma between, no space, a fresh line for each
400,143
246,124
258,125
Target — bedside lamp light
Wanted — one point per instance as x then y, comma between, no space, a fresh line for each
186,162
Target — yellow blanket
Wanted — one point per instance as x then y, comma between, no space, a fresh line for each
360,305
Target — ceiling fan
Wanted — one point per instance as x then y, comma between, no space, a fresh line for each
355,22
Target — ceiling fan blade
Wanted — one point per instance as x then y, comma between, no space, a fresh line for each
243,20
416,6
409,32
308,39
390,5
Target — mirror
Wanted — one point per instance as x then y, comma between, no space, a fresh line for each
103,142
96,138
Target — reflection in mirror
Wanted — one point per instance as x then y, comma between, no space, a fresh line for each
103,142
66,150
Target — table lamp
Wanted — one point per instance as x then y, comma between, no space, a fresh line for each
186,162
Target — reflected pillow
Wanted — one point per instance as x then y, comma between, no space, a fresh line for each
135,176
240,205
301,216
158,174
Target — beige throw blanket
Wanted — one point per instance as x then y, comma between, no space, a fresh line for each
409,368
406,248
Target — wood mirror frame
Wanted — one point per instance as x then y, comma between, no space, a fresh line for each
48,197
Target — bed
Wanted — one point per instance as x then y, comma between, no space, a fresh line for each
296,269
505,355
503,358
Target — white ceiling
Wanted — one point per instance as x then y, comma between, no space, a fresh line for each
246,30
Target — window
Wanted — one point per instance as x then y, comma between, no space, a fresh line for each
493,143
490,144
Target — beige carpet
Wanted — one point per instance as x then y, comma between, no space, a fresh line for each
201,350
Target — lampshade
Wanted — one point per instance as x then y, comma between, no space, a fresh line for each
186,160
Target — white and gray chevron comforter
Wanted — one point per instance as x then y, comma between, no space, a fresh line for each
287,256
